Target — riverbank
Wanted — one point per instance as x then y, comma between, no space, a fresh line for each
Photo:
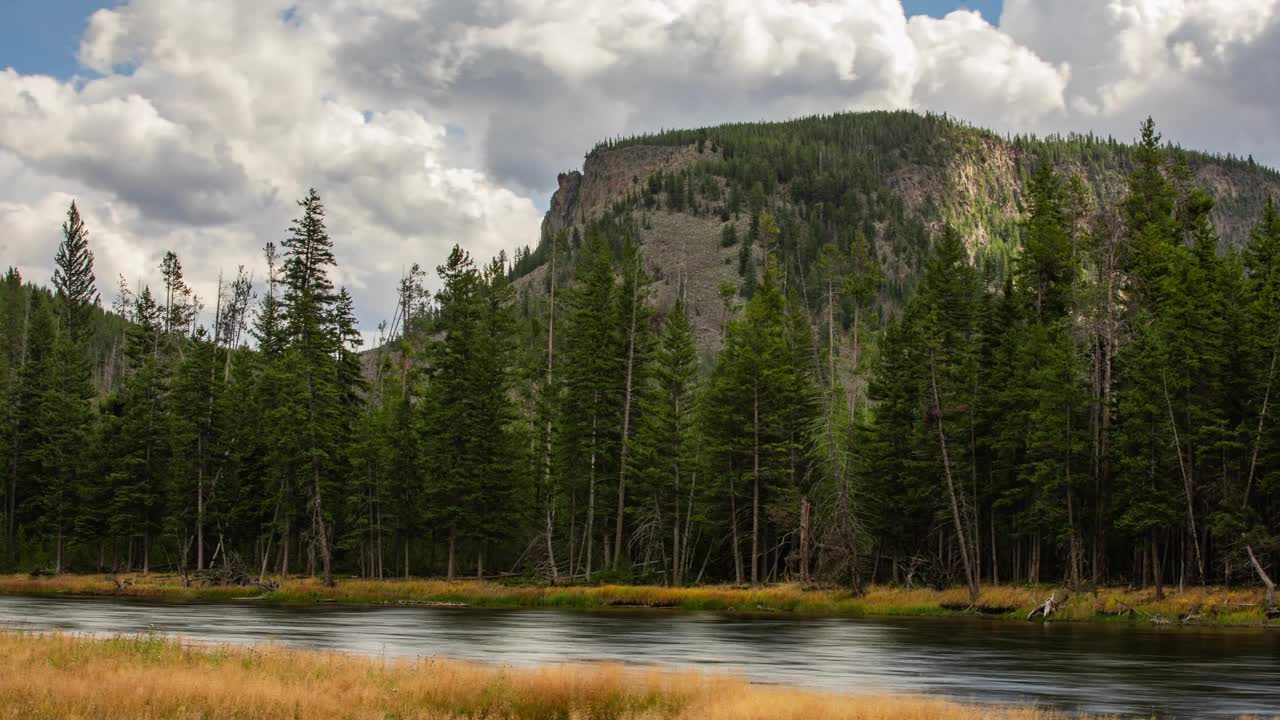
152,678
1194,606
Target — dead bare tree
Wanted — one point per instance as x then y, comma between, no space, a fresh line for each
1253,468
1270,598
1186,479
546,458
951,488
626,406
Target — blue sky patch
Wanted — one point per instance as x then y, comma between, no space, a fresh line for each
990,9
43,36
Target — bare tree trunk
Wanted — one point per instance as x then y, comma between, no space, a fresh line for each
857,357
199,509
317,512
1253,466
626,419
804,539
737,545
838,472
573,531
266,553
1095,428
320,529
1266,581
453,537
677,557
975,531
1074,551
378,526
675,547
1104,432
1186,481
1157,566
755,491
591,491
1262,417
995,558
1074,536
284,549
831,332
951,488
685,545
546,458
551,550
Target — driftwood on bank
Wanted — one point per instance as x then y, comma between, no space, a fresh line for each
232,573
1045,610
121,584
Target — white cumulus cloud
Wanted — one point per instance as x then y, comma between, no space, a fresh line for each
423,123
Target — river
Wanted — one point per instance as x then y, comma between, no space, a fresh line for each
1094,667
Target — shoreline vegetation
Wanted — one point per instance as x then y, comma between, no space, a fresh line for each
1080,393
1207,606
149,678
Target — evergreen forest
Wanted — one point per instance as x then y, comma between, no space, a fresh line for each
1087,396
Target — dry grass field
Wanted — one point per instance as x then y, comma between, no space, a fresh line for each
151,678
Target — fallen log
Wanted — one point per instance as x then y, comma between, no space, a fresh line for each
1271,610
121,584
1045,610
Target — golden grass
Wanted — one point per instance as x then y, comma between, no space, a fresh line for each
150,678
1205,606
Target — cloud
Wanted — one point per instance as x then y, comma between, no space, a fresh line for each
1203,68
971,69
429,123
207,121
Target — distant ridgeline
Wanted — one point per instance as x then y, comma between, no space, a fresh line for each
891,178
878,347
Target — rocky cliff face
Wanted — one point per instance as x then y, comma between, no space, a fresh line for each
675,245
607,177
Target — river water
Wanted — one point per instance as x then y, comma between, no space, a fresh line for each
1116,669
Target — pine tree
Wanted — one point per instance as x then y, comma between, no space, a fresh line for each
73,279
589,378
30,422
138,477
450,458
664,455
181,306
501,481
312,379
65,411
14,323
754,390
898,473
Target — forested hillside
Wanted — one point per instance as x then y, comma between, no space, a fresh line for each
879,184
1068,378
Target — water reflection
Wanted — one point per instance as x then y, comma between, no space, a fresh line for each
1127,670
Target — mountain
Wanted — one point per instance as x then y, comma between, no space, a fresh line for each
894,177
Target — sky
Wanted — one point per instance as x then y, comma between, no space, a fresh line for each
195,125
